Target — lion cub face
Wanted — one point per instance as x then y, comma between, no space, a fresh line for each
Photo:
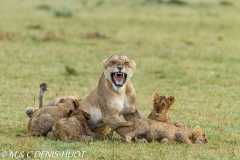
198,136
161,104
69,103
118,69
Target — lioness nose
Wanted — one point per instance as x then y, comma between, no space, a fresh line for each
120,68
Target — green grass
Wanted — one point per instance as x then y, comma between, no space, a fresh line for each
190,51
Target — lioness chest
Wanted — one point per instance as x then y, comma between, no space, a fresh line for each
122,105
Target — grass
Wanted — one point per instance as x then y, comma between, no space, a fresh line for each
190,51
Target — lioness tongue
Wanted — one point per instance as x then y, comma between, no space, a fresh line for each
119,78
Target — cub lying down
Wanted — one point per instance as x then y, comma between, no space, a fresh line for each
156,130
74,127
43,118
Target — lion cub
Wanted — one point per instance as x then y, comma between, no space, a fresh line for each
161,106
42,119
161,131
74,127
160,111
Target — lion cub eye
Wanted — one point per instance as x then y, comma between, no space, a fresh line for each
155,103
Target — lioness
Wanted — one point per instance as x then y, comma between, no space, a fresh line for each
113,97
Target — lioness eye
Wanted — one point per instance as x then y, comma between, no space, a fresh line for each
126,63
155,103
113,62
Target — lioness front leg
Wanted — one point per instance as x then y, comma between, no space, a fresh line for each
115,122
124,124
128,117
133,116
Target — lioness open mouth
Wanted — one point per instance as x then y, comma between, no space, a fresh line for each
118,78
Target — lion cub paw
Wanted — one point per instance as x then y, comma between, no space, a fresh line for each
143,140
129,137
164,140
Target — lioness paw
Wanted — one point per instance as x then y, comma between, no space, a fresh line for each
128,138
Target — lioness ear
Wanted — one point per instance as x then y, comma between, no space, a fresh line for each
61,100
86,115
171,100
104,62
133,63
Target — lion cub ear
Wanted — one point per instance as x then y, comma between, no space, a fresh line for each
197,130
76,102
170,100
86,115
69,113
104,62
155,96
61,100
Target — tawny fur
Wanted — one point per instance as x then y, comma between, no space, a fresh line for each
155,130
55,101
43,118
74,127
161,106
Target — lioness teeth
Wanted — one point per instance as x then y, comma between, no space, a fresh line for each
118,74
